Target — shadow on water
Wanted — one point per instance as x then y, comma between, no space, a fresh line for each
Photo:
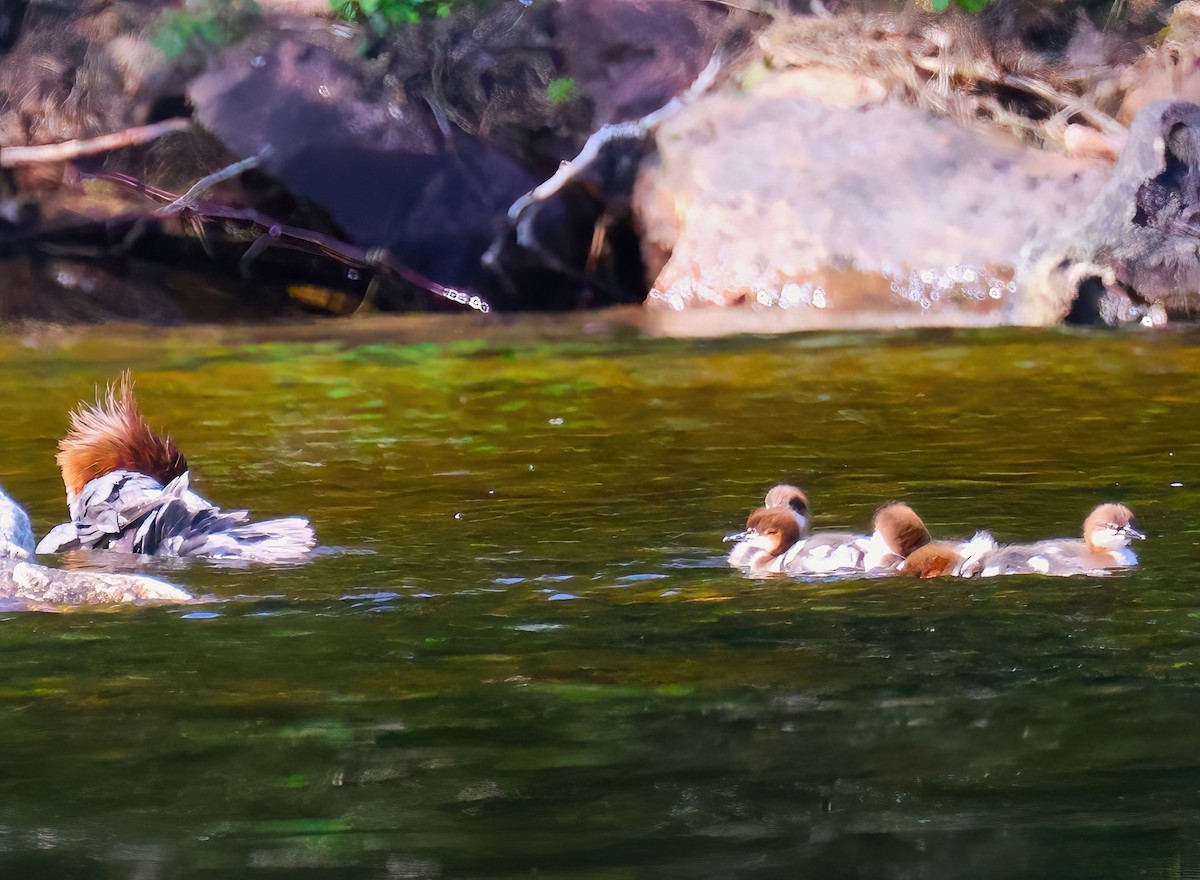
534,662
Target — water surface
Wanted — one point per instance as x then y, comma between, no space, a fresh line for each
527,657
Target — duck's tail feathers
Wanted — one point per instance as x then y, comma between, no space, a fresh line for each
289,539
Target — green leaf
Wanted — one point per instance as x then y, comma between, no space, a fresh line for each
561,90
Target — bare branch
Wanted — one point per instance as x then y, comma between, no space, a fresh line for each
13,157
632,130
296,238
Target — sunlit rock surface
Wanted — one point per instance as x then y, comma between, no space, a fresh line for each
50,587
851,212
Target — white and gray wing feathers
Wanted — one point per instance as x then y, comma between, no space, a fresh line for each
133,513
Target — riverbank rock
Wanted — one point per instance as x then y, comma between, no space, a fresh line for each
1135,255
41,586
815,195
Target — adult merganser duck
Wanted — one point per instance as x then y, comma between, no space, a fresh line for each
40,586
127,490
1107,532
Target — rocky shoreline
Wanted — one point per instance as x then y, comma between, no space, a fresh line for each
864,168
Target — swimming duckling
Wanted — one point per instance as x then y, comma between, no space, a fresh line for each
127,490
770,532
41,586
769,544
820,553
896,532
1107,532
793,499
945,559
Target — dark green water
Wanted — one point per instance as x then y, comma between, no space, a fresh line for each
541,667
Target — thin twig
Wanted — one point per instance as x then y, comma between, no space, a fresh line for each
632,130
204,184
12,157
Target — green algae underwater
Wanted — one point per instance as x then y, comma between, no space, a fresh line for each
524,656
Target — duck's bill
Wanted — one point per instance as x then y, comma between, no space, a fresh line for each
1131,532
736,536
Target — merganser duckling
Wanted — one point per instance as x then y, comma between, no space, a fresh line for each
897,531
780,497
827,552
43,586
771,544
770,532
791,498
127,490
946,559
1107,532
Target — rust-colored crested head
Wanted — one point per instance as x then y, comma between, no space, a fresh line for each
783,495
901,528
932,560
113,435
777,525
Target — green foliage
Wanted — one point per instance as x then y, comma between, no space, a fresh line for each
382,14
969,5
203,26
561,90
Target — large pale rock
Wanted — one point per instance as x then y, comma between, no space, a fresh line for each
852,213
